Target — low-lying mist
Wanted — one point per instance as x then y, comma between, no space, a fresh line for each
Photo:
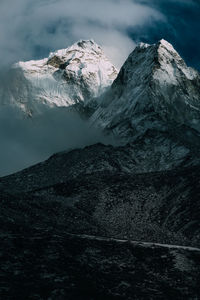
26,141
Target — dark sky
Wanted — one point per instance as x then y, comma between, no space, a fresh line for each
181,28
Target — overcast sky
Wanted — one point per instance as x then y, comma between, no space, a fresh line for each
30,29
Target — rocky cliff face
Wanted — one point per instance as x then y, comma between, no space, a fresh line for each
66,77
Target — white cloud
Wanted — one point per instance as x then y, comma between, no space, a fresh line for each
27,24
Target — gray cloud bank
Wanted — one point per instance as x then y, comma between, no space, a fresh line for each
33,28
25,142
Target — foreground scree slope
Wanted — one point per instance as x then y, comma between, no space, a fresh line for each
108,222
56,239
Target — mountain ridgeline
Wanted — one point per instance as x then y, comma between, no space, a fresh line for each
154,104
104,221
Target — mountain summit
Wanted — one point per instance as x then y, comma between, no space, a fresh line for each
155,104
68,76
153,82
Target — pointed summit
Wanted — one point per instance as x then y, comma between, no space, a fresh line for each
84,46
158,62
162,44
156,78
166,45
155,96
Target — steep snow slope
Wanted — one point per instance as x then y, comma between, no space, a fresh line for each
155,103
66,77
154,82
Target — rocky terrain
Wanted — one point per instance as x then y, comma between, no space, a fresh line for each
67,231
154,207
83,267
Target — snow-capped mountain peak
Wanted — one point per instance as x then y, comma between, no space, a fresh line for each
159,61
154,102
172,64
153,76
82,45
68,76
165,44
160,47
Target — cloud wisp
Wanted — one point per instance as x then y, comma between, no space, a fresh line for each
26,141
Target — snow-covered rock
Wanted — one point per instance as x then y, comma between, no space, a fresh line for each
154,81
155,104
66,77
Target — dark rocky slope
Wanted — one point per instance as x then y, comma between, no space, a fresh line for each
85,268
53,213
